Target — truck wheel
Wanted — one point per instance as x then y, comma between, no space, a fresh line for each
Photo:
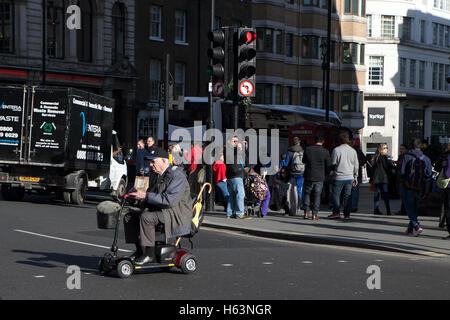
12,193
79,193
121,190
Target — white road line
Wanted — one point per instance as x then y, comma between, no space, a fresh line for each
39,276
67,240
227,265
306,262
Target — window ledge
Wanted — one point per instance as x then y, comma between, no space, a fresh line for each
156,39
181,43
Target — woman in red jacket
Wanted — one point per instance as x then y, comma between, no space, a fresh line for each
220,179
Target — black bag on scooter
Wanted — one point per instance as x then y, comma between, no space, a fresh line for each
106,214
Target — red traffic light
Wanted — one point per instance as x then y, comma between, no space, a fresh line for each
248,37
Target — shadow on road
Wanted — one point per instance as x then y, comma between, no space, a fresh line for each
55,260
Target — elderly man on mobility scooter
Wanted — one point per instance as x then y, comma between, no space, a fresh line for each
168,202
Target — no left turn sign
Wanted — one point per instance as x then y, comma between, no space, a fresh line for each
218,88
246,88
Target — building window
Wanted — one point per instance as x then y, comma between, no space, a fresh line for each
310,47
352,101
376,70
268,40
406,32
278,94
309,97
6,26
118,42
352,6
180,26
180,72
289,43
441,77
369,25
350,52
278,41
412,73
84,35
362,48
268,94
447,74
422,74
155,22
287,95
387,27
435,76
423,31
435,33
402,68
55,29
155,79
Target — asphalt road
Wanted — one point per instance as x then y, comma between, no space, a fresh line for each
40,239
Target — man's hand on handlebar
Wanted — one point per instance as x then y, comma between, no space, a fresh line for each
139,194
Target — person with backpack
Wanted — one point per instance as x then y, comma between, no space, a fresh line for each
318,161
415,171
345,166
296,165
382,168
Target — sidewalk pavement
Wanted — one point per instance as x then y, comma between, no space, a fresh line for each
364,230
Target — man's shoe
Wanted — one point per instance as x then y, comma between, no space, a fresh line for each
416,231
315,217
243,217
334,216
306,216
346,218
142,260
135,255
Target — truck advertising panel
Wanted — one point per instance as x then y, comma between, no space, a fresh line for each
12,105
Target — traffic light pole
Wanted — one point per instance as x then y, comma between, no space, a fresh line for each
209,171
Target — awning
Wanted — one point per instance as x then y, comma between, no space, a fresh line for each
299,109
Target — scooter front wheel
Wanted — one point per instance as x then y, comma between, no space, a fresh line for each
125,269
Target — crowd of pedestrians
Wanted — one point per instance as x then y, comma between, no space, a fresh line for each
307,175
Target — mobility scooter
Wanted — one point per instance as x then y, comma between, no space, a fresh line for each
168,255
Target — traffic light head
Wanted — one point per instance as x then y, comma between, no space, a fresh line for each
216,53
246,59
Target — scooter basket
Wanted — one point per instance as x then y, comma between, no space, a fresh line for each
106,214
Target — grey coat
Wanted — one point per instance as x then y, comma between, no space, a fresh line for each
171,198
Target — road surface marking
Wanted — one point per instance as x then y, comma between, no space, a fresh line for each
39,276
342,261
306,262
227,265
267,263
67,240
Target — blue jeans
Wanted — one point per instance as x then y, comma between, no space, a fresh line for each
299,179
412,198
383,191
237,196
316,189
223,188
340,186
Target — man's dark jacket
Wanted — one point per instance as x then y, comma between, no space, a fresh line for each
171,198
317,163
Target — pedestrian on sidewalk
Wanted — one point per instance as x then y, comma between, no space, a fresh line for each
234,159
296,165
345,165
446,192
416,169
442,164
284,192
382,168
400,185
317,164
220,181
354,197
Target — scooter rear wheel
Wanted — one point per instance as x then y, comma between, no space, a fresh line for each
125,269
188,263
